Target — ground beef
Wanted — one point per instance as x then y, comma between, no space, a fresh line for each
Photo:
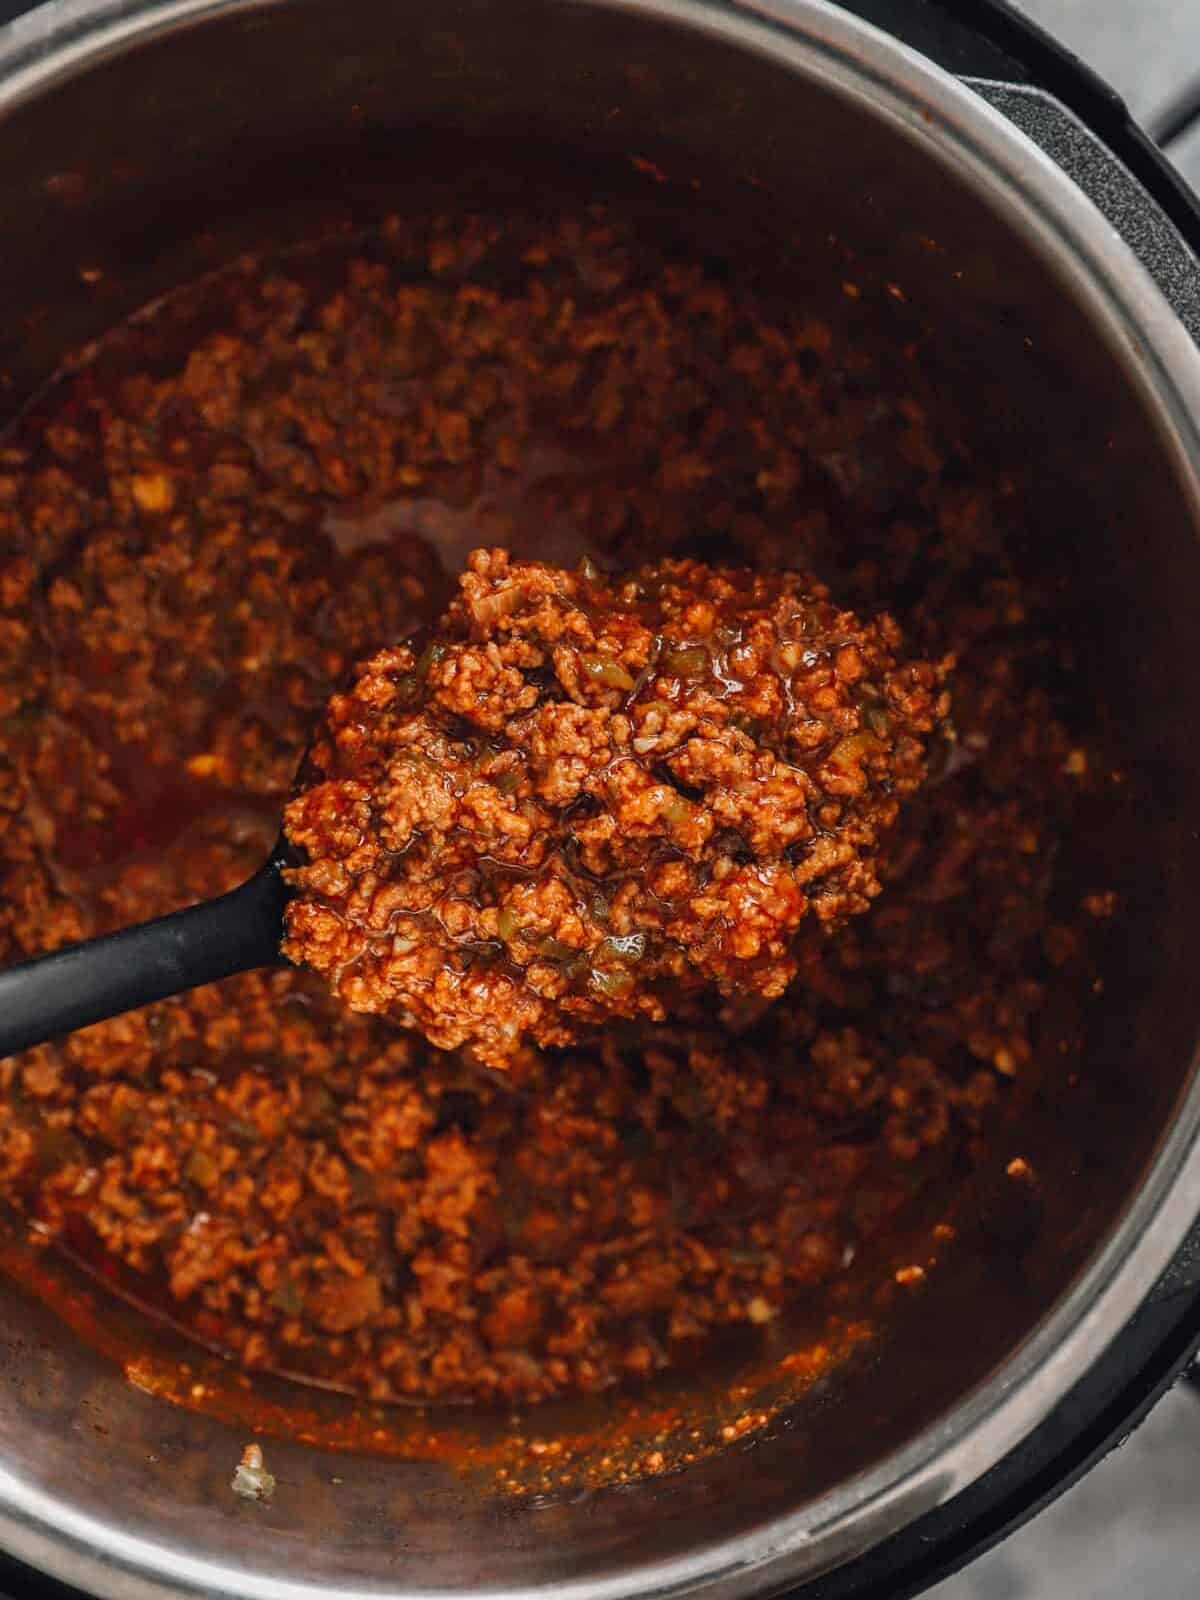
210,519
589,796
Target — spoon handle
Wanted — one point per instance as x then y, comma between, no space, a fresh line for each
84,983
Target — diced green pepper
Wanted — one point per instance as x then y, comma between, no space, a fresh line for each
854,748
690,661
612,982
626,947
606,671
555,950
429,658
677,808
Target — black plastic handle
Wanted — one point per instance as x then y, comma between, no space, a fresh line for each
85,983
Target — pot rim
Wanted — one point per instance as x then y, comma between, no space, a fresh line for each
926,105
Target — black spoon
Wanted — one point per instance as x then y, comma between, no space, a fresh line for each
83,983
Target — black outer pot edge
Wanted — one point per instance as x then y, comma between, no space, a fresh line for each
1085,127
993,40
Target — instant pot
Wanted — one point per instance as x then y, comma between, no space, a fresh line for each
146,141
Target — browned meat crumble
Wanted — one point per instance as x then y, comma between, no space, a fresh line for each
590,796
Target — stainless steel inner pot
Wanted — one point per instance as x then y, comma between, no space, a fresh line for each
154,139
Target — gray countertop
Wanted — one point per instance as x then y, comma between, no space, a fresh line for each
1128,1531
1146,48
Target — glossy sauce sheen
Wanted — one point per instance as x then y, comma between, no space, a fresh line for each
205,524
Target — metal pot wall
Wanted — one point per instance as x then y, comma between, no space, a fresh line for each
152,140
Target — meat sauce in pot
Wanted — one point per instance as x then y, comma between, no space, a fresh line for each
205,522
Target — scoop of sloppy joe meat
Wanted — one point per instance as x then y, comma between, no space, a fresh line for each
586,796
